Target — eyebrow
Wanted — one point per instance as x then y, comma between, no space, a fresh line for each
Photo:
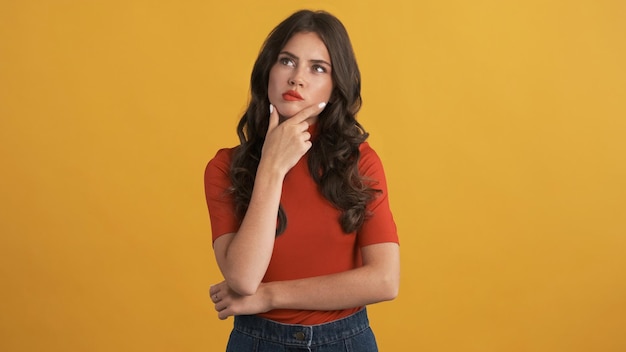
317,61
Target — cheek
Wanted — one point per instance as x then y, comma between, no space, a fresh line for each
327,90
274,80
271,87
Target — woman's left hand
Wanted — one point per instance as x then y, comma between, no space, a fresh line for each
228,302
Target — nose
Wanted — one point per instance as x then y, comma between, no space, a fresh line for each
296,81
296,78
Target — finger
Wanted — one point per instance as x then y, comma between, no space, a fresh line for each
223,314
273,122
217,287
220,306
307,113
214,289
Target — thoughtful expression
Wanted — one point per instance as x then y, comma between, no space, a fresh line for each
301,76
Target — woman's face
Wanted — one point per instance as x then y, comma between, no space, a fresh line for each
301,76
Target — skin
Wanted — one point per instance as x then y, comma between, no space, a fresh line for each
303,66
243,257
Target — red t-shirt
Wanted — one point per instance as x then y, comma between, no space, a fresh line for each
313,243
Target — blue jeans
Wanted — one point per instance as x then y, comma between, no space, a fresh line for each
255,334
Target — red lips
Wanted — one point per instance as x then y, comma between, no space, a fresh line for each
292,95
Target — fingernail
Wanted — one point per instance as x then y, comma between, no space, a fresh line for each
322,105
271,108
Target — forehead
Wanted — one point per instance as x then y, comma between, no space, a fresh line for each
307,46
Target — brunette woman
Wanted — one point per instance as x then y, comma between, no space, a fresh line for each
302,229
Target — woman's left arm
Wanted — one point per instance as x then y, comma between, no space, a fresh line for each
377,280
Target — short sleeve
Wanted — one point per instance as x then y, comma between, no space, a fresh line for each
220,201
379,226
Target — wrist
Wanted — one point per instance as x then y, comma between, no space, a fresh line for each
271,172
270,293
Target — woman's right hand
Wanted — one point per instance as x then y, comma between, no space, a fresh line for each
286,142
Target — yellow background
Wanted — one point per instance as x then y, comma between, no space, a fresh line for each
501,124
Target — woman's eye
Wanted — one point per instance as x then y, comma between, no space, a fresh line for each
287,61
319,68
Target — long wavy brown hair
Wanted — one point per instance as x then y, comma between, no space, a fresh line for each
334,156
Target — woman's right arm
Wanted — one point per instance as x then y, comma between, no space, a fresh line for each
243,257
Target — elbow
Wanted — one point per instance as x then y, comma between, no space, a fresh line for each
389,288
391,294
243,287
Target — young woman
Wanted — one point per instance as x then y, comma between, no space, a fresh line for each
302,230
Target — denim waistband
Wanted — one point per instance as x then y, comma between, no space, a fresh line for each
302,335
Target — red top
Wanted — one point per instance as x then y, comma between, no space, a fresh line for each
313,243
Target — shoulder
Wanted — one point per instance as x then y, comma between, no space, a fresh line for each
223,157
366,149
368,157
220,163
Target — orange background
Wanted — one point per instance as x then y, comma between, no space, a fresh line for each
501,124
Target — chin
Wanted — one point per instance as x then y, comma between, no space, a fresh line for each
288,111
